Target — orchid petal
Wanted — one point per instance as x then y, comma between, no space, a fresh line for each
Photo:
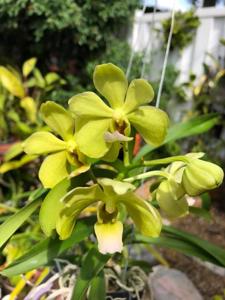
170,197
139,92
90,137
113,152
151,123
75,201
145,216
53,169
43,142
58,119
111,82
89,104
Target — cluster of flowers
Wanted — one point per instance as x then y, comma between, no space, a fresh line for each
93,130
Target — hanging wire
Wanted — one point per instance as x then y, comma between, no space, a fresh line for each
148,52
165,61
166,56
133,47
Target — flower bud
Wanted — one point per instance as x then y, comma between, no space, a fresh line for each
170,197
200,176
109,236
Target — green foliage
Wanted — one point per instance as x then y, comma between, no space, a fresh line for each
81,28
186,243
14,222
47,250
21,93
185,27
97,262
116,51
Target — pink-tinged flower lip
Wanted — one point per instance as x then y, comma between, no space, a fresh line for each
109,236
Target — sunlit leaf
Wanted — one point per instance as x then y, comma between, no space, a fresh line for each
11,82
28,66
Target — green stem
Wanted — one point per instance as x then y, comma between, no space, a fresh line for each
30,235
166,160
6,207
147,175
157,255
92,176
126,158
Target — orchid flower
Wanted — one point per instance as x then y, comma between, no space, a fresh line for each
109,194
65,158
126,106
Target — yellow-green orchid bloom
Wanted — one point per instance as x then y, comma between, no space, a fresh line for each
126,107
170,196
170,193
65,159
109,194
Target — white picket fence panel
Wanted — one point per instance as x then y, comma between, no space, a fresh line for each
191,59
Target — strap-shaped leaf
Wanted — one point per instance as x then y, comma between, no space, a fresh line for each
93,263
186,243
14,222
215,251
97,289
46,251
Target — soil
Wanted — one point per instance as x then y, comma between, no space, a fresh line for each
208,283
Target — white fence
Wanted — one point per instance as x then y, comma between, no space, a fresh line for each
206,40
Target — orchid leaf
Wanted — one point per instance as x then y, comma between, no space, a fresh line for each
46,251
97,262
15,221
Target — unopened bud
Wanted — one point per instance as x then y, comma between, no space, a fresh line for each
200,176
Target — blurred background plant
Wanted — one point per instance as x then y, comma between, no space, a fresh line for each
21,95
185,26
